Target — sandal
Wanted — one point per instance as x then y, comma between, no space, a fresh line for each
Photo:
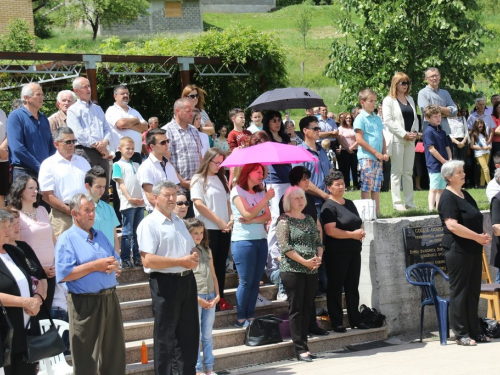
466,341
482,338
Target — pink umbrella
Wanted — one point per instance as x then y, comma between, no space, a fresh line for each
268,153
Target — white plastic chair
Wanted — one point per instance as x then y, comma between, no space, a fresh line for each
56,365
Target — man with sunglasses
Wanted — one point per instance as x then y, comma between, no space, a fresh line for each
61,176
432,94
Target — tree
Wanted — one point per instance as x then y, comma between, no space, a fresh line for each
407,36
105,12
303,24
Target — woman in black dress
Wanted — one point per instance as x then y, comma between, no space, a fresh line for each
342,257
463,241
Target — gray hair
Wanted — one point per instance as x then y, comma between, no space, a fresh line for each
76,201
181,103
5,216
480,100
63,92
157,188
119,87
497,175
57,134
150,120
17,103
291,192
27,90
431,69
77,82
449,167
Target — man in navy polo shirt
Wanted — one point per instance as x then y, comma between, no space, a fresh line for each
28,134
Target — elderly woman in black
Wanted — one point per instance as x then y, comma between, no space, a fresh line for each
16,293
463,241
343,235
301,251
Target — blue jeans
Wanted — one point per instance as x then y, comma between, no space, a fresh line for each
207,319
275,279
250,258
131,219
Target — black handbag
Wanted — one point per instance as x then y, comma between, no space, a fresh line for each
46,345
6,334
490,327
263,330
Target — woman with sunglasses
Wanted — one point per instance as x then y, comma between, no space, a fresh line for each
210,196
400,118
197,97
348,158
181,206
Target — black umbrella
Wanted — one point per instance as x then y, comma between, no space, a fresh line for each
288,98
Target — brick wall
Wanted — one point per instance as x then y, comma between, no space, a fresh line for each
15,9
156,22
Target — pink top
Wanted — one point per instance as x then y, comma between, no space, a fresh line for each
38,234
348,134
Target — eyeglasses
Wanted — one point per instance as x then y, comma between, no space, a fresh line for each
193,96
276,119
434,76
405,83
69,141
216,162
163,143
316,129
180,203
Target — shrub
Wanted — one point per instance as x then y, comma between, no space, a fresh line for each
18,37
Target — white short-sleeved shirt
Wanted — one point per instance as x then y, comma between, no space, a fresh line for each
20,278
241,231
127,171
66,178
113,114
165,237
214,196
3,130
151,172
205,143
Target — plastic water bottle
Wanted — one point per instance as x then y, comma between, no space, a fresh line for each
144,353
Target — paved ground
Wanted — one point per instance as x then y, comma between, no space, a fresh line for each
427,358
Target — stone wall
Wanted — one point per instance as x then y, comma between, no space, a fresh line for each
237,6
383,283
156,22
15,9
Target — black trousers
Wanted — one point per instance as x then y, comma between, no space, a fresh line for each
219,243
176,323
94,157
301,291
19,367
386,170
343,270
348,163
464,271
51,287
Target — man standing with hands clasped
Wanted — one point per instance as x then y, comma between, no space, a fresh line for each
169,255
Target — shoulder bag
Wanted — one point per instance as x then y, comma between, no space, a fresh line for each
6,334
263,330
47,345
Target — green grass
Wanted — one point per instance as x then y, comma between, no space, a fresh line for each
420,199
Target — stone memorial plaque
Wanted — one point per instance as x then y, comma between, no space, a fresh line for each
423,245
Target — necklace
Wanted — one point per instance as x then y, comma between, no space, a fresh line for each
31,215
457,193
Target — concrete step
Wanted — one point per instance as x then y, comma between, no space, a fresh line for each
268,291
241,355
133,275
133,291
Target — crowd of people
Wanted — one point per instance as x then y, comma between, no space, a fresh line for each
180,215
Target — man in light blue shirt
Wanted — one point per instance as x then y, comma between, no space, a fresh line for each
432,94
87,262
92,131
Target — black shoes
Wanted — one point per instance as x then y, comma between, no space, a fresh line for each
340,329
318,331
304,359
362,326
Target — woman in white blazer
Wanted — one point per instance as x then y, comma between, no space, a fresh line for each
400,119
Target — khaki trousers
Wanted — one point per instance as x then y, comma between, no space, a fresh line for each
60,221
96,334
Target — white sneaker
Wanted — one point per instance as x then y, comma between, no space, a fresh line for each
262,301
282,296
399,207
411,206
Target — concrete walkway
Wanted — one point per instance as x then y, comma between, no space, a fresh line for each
429,358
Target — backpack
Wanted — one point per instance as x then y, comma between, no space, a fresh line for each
490,327
371,317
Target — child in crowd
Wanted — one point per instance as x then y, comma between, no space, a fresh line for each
131,202
236,137
481,145
208,294
372,149
437,152
256,118
105,217
325,143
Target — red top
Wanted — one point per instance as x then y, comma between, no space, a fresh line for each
236,138
496,138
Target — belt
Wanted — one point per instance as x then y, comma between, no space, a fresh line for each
102,292
23,168
181,274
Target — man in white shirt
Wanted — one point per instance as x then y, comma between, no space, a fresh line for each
156,167
169,255
65,99
88,122
124,121
61,176
329,129
493,187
